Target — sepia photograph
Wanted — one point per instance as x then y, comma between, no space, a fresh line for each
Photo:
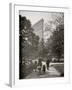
41,44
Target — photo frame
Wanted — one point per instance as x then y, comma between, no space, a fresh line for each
14,72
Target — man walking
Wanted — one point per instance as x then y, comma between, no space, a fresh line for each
48,62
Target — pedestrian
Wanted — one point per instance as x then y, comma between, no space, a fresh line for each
47,62
44,68
39,65
35,66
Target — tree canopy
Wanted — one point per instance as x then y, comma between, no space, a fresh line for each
28,40
55,44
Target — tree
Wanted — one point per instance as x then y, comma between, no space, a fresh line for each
24,26
57,44
42,49
28,39
28,42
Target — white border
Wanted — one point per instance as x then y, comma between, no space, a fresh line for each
15,47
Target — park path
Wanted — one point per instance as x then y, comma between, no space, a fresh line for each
52,72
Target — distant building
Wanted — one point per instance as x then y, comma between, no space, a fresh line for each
41,30
38,28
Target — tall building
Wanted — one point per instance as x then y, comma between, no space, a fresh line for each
42,30
38,28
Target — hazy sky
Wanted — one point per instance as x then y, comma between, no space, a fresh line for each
35,16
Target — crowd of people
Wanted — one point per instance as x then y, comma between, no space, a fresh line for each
41,65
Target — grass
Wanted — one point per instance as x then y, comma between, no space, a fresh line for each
59,68
26,70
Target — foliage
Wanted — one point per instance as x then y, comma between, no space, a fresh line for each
58,41
28,40
55,44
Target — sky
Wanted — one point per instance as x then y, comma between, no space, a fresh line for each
36,16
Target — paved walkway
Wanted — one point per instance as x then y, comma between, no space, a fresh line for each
52,72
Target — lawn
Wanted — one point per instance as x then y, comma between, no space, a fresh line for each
59,68
26,70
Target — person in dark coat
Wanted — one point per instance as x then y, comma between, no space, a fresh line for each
39,65
35,65
44,68
47,62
